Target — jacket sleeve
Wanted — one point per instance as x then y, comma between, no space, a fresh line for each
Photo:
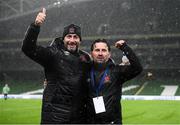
130,71
30,48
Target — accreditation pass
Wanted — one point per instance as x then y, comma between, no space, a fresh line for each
99,104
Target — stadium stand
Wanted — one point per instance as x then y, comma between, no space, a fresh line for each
149,29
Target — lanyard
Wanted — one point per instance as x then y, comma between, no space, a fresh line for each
100,85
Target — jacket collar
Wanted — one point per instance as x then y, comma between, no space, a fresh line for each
59,44
110,62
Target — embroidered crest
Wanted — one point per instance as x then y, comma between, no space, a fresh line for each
107,79
71,30
83,58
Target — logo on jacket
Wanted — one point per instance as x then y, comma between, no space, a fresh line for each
107,79
71,30
83,58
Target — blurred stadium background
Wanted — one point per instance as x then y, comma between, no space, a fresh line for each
151,28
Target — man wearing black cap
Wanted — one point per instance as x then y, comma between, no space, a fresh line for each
63,62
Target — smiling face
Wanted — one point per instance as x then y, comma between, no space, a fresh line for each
71,42
100,53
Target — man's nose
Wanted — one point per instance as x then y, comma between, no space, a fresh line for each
100,53
72,39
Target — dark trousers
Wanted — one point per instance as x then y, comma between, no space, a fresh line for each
5,96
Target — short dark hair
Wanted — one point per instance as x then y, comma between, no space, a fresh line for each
100,41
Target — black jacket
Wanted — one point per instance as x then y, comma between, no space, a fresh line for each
63,97
112,88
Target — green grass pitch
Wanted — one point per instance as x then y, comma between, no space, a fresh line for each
151,112
27,111
20,111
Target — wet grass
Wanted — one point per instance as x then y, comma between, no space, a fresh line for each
27,111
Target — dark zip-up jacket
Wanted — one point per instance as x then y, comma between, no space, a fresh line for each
112,88
63,97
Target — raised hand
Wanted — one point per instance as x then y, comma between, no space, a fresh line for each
40,17
119,43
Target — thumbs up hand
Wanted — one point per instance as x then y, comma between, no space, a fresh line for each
40,17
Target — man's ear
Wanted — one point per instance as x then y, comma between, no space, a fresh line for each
109,54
